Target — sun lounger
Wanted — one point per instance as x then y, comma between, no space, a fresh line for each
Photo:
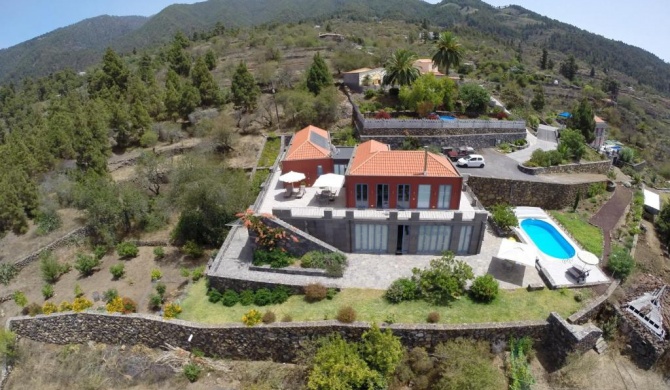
301,192
288,192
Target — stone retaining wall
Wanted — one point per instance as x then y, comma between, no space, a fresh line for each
74,235
644,348
150,243
598,167
477,141
562,338
551,196
592,309
222,283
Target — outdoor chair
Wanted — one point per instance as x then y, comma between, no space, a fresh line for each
288,192
301,192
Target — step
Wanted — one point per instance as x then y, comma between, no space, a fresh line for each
601,346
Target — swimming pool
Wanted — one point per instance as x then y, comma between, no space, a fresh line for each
447,117
547,239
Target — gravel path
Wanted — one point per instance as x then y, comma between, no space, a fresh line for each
609,215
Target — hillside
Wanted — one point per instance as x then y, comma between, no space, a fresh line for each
76,46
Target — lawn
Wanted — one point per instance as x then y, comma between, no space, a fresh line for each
587,235
270,152
514,305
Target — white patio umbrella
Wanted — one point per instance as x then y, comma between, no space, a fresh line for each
292,177
330,180
588,258
517,252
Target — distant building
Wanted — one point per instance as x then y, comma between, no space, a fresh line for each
601,133
426,65
363,77
332,37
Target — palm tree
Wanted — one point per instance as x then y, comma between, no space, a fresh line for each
400,68
449,52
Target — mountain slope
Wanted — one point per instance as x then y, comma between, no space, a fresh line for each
76,46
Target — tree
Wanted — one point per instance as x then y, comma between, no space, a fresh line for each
116,72
210,94
543,60
611,86
512,96
620,262
189,100
244,89
173,87
593,72
538,99
583,120
428,89
318,75
178,58
152,171
381,350
445,279
345,60
400,68
210,59
474,97
448,52
572,144
569,68
146,70
663,222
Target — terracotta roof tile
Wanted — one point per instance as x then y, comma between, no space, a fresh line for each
374,158
303,146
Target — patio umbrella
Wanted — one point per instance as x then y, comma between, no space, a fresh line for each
517,252
330,180
292,177
588,258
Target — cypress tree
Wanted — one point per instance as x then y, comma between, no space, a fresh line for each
244,89
318,75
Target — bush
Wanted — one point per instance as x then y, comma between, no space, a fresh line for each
49,308
252,317
346,314
85,264
50,268
47,291
247,297
484,289
127,250
596,189
503,216
330,294
369,93
315,292
230,298
403,289
275,258
32,310
192,249
444,281
269,317
184,272
149,139
47,221
155,301
198,273
65,306
262,297
620,263
433,317
161,288
20,298
110,294
171,310
99,251
280,295
159,252
287,318
192,372
78,291
81,304
7,273
117,270
214,296
129,306
156,274
333,262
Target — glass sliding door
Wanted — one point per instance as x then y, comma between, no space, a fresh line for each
370,238
464,240
424,197
444,197
403,196
382,196
434,239
362,195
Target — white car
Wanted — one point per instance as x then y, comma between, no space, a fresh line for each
471,161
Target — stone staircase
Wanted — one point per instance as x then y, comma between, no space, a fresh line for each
601,346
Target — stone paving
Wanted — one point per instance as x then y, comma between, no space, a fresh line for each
370,270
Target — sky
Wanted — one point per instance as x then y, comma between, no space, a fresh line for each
642,23
645,25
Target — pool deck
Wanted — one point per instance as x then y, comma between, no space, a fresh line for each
555,271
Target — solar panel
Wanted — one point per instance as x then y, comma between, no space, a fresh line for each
318,140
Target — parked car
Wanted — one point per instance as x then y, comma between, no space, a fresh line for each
471,161
455,154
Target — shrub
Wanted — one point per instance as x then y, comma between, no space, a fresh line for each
247,297
620,263
50,268
32,310
230,298
78,291
110,294
99,251
49,308
155,301
192,249
484,288
280,295
369,93
381,114
503,216
81,304
333,262
65,306
159,252
20,298
444,281
287,318
85,264
171,310
330,294
269,317
346,314
198,273
117,270
115,305
192,372
127,250
433,317
156,274
596,189
47,221
47,291
252,317
403,289
315,292
184,272
7,273
129,306
161,288
262,297
149,139
275,258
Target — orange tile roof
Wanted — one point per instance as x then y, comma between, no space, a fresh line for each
598,119
374,158
361,70
303,148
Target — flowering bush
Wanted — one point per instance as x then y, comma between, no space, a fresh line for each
253,317
49,307
156,274
81,304
121,305
171,310
381,114
65,306
266,237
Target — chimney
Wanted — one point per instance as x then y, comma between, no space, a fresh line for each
425,161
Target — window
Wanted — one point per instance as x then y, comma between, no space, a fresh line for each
340,169
361,195
434,239
319,170
382,196
424,196
464,240
403,196
444,197
370,238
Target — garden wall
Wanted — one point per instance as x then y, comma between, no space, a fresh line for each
73,236
644,348
280,341
477,141
598,167
550,196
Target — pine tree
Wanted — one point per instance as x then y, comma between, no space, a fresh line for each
543,60
210,94
583,120
318,75
190,99
116,72
244,89
172,94
210,59
538,99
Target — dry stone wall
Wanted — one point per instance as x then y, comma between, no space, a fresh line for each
562,338
73,236
598,167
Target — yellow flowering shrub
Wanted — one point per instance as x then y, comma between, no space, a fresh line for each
253,317
115,305
49,307
65,306
81,304
171,310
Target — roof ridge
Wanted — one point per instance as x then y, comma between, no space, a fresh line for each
370,153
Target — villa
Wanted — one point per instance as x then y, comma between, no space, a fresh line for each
363,77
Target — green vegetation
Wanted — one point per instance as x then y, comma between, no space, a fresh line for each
588,236
370,306
503,216
518,365
270,152
620,262
448,52
117,270
7,273
400,70
318,75
192,371
127,250
334,262
86,264
484,288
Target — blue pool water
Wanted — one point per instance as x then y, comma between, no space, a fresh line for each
447,117
548,239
